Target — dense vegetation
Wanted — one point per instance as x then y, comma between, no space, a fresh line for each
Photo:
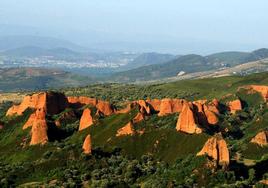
161,157
15,79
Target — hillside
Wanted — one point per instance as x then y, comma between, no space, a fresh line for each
19,79
189,64
209,132
33,51
149,59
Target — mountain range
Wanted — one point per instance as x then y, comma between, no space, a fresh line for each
189,64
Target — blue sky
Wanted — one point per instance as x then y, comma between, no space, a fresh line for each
184,26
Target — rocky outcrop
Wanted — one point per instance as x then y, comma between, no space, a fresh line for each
234,106
214,106
143,106
103,107
187,121
86,119
87,148
35,101
217,149
82,100
155,104
128,129
39,128
261,138
211,116
170,106
30,121
138,118
51,102
263,90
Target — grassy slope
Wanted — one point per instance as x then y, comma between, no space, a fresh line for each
208,88
172,145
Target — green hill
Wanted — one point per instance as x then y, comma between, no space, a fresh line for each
189,64
19,79
159,157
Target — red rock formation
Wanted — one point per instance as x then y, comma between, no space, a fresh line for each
187,121
39,128
199,113
35,101
155,104
235,106
144,107
104,107
128,129
82,100
263,90
217,149
30,121
170,106
211,117
204,115
138,118
213,106
87,145
86,119
261,138
51,102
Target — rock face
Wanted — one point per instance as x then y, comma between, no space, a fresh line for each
187,121
30,121
155,104
235,106
263,90
143,106
216,148
87,148
261,138
211,116
86,119
170,106
65,118
39,128
51,102
103,107
138,118
82,101
128,129
214,106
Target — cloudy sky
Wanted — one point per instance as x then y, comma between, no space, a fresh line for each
179,26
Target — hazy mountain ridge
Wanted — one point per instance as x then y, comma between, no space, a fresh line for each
190,64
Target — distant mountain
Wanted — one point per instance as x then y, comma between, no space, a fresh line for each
34,51
19,41
14,79
150,59
189,64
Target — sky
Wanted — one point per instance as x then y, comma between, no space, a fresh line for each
177,26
